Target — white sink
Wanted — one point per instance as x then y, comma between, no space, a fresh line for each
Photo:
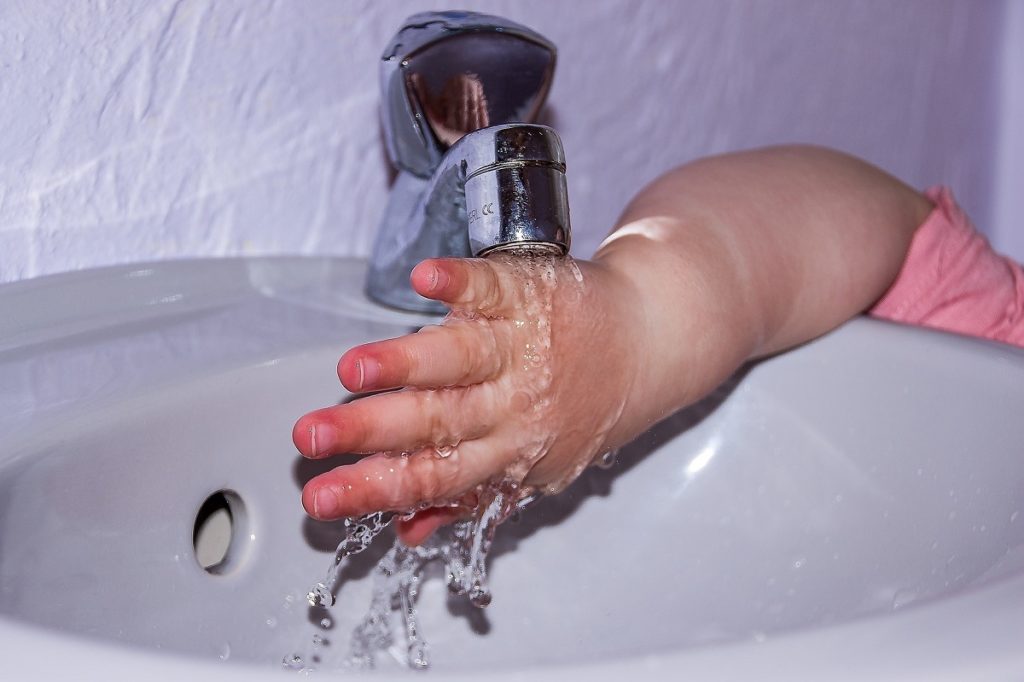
849,510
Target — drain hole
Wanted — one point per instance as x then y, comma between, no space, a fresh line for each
220,532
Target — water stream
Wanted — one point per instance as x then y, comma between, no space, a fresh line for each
391,622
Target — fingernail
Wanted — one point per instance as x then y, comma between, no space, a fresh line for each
438,279
325,503
368,370
321,439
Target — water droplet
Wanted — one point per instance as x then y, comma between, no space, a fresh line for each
325,623
292,662
607,459
320,595
799,563
225,651
480,596
271,622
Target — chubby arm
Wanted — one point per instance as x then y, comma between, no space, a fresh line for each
744,255
548,364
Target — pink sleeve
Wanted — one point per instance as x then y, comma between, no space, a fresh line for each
953,280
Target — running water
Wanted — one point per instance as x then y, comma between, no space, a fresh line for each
359,533
391,623
461,549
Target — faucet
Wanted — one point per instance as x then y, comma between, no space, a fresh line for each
475,177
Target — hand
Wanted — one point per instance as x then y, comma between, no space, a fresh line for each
524,382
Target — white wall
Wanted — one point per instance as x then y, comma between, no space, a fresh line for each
140,129
1008,220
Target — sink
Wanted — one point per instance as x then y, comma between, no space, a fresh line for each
847,510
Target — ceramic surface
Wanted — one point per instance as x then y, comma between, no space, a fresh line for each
847,510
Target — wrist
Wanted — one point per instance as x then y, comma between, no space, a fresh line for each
694,321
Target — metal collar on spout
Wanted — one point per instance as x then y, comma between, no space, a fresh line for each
515,188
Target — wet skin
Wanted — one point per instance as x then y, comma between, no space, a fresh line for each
477,384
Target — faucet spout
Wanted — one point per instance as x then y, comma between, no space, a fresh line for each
472,179
497,188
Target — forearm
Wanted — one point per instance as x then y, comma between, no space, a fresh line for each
747,254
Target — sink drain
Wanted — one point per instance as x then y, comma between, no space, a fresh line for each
221,532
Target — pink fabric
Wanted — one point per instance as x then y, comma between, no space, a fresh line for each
953,280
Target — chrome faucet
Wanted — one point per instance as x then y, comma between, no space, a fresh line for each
474,176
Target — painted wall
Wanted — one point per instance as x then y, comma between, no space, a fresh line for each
1008,220
143,129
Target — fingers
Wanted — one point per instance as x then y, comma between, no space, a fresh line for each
457,354
465,355
401,422
399,483
474,284
423,524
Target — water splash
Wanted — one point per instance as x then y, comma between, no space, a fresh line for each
320,595
466,556
396,580
359,533
391,623
462,549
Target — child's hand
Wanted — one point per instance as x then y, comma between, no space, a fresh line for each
525,381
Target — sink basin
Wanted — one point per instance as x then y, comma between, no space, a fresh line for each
847,510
